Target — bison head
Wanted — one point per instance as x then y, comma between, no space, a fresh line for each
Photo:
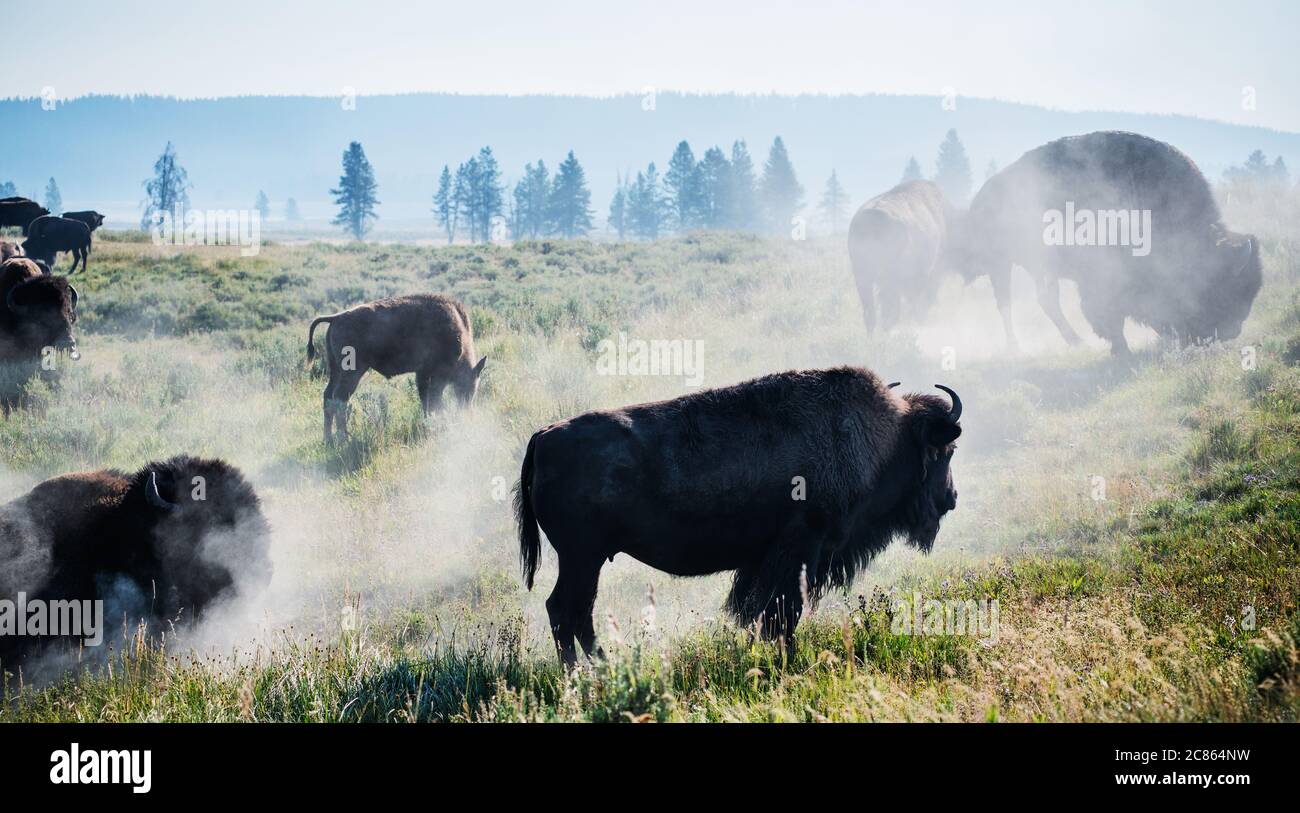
465,381
1234,277
45,308
934,426
208,535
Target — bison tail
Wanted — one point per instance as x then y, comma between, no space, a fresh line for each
530,542
311,331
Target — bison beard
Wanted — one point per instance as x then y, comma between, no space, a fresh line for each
143,543
704,483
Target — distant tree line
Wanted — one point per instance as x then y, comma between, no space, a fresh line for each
716,192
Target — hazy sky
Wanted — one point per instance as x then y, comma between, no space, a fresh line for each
1183,56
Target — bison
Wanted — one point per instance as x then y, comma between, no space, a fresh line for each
20,212
39,311
895,243
161,545
426,334
1132,221
91,218
802,476
49,235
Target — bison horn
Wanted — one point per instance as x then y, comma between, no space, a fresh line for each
895,384
11,304
954,414
1247,251
72,289
156,499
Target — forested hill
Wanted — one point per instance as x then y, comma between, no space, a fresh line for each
100,149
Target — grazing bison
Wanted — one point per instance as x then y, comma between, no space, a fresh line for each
161,545
91,218
426,334
37,310
1132,221
895,242
20,212
805,472
49,235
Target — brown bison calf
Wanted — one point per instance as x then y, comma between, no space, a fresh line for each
426,334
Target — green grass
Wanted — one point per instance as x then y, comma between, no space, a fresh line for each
396,595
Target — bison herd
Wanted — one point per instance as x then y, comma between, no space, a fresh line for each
793,481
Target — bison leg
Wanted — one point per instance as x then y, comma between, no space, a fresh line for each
1002,295
782,616
336,399
1048,287
570,606
891,306
1108,321
867,296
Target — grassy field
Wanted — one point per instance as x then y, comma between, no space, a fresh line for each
1137,524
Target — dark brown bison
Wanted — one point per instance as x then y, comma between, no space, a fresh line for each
49,235
160,546
426,334
37,311
895,243
20,212
805,472
1132,221
91,218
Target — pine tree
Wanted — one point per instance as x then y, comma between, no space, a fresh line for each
355,195
291,213
781,192
911,172
263,206
1278,173
646,205
487,193
443,205
682,184
834,205
54,200
617,219
167,191
8,189
531,195
569,205
462,198
952,170
742,196
715,189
